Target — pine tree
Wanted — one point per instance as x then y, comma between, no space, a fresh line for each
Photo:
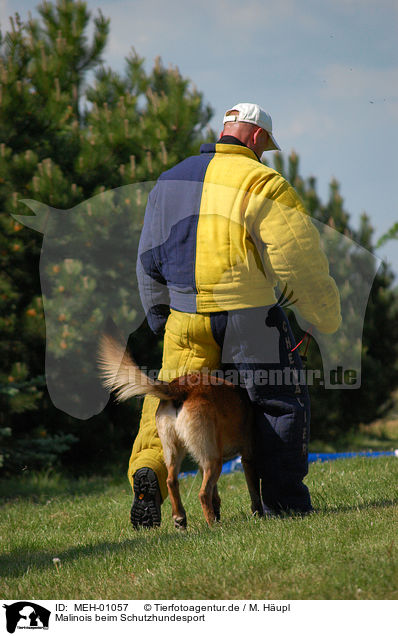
62,143
41,68
339,410
392,233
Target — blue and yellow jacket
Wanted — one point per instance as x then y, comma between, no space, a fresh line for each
221,229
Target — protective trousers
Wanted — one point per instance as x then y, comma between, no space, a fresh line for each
251,347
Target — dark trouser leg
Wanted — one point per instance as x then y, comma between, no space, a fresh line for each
281,442
260,341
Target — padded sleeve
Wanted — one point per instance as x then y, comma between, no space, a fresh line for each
290,247
151,284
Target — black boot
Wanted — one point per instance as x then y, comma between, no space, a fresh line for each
145,510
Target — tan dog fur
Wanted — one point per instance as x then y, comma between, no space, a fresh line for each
198,413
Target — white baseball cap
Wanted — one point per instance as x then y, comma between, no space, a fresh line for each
253,114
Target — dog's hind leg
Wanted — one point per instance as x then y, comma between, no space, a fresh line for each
211,473
177,509
197,427
253,484
216,503
174,452
251,475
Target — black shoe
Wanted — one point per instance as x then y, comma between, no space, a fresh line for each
145,510
286,499
270,513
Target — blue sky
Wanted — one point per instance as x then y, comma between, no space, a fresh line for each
326,70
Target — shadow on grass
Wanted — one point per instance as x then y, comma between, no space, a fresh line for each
41,486
382,504
17,562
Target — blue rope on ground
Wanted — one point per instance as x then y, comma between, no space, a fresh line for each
325,457
235,464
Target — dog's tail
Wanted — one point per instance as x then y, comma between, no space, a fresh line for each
120,373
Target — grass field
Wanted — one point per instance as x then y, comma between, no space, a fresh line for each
347,550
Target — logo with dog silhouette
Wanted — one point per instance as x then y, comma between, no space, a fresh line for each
26,615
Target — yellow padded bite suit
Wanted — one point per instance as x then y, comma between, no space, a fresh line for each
189,345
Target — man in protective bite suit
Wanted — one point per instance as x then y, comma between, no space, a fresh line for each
221,230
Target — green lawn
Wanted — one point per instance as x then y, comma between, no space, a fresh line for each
347,550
